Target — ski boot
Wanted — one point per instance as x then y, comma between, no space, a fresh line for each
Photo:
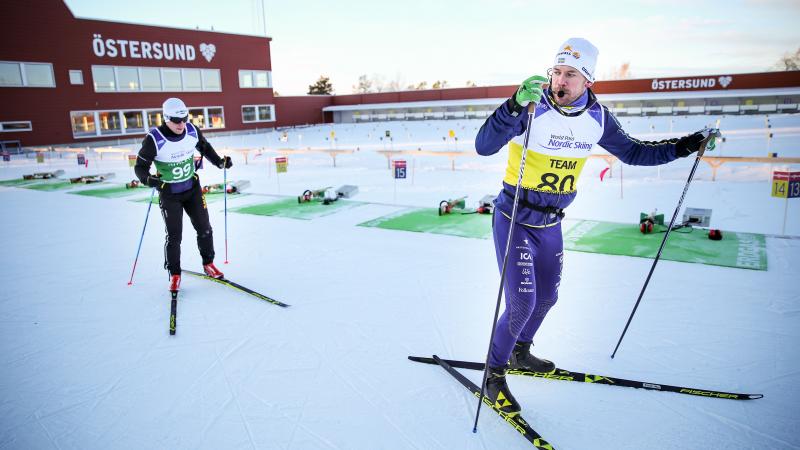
211,270
498,393
521,359
174,283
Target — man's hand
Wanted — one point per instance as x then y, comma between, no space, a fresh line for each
154,181
531,90
226,163
691,143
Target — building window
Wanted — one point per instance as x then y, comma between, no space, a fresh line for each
25,74
191,80
83,124
197,117
255,79
134,121
127,79
103,77
154,118
171,79
258,113
216,117
75,77
211,80
109,122
7,127
10,74
150,78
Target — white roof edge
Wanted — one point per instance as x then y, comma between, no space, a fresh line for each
728,93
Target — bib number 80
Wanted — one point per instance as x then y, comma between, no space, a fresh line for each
550,180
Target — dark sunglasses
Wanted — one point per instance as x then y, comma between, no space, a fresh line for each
178,119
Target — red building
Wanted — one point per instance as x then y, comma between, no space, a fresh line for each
70,80
66,80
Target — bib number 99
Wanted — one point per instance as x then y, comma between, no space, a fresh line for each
182,172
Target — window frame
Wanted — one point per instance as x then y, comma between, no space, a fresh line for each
17,130
272,113
24,77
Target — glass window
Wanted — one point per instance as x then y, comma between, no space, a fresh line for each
15,126
248,114
191,80
10,74
154,118
150,78
39,75
83,124
134,121
245,78
261,79
197,117
264,113
172,79
103,78
216,118
110,122
75,77
128,78
211,80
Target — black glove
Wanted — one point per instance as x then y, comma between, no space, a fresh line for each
689,144
154,181
226,163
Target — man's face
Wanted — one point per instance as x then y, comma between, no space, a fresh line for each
176,128
570,81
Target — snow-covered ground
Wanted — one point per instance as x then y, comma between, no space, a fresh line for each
87,361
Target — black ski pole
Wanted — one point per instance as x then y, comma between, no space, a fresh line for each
505,262
149,205
712,133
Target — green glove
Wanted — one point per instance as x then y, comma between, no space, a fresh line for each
530,90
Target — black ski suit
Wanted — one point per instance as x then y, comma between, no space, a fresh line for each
189,198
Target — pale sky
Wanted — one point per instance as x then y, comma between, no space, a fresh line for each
488,42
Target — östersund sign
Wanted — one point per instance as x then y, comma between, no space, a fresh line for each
691,83
122,48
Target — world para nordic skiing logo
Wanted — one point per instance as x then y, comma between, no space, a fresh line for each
208,51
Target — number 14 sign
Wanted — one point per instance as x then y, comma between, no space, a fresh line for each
786,184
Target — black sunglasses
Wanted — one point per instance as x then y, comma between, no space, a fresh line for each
178,119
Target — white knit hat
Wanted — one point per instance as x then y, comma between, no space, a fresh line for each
174,107
580,54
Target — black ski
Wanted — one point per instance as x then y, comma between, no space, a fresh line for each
173,312
516,421
238,287
567,375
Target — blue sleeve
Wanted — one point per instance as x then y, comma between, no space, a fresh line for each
505,123
633,151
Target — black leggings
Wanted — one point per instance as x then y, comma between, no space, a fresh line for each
172,206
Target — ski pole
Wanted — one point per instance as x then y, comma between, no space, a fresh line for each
149,205
711,134
505,262
225,198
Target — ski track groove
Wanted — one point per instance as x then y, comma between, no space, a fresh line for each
453,388
369,401
235,398
47,432
741,426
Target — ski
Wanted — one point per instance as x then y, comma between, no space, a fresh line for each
516,421
238,287
567,375
173,312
